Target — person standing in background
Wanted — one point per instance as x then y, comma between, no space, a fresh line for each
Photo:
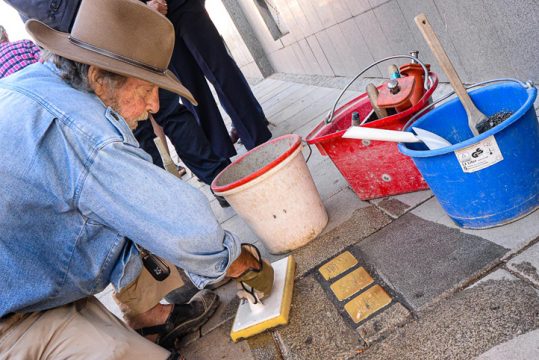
16,55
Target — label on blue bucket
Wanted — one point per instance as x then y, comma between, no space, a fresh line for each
479,155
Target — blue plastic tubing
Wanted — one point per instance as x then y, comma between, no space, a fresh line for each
500,193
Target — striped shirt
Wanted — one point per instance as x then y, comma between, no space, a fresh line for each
17,55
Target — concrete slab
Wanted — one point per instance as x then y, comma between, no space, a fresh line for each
423,260
320,56
316,329
361,224
217,345
513,236
526,264
522,347
469,25
464,326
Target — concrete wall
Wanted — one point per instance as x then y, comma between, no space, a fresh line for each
484,38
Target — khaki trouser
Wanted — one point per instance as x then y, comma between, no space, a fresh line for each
85,329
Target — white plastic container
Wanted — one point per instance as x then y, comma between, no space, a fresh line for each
271,188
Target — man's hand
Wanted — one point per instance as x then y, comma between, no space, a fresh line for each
158,5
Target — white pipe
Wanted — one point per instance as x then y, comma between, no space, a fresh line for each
360,132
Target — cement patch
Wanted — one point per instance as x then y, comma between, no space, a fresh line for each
467,325
422,260
527,264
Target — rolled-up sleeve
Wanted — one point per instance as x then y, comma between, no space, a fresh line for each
170,218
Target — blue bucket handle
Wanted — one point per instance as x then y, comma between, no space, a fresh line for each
427,84
525,85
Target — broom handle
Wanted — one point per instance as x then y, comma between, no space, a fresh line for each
161,143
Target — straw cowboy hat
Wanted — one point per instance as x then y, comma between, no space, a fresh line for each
122,36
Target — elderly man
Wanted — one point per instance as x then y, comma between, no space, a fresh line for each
15,55
82,206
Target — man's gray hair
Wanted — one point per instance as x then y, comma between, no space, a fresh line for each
76,74
3,34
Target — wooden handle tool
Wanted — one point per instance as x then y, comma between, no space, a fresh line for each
474,115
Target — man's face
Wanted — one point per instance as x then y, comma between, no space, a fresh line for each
134,99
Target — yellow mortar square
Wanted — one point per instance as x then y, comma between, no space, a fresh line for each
351,283
364,305
338,265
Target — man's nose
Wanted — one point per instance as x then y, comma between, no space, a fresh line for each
152,104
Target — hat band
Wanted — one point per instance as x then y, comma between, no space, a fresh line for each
114,56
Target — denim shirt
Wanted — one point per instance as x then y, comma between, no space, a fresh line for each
74,185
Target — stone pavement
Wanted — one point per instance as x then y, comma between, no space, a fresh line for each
389,278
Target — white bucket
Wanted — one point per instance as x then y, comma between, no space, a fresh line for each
271,188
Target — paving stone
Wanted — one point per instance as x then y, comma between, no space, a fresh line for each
496,275
338,265
222,214
217,345
413,199
526,264
392,207
513,236
239,228
316,329
384,323
226,310
265,347
464,326
358,6
367,303
361,224
423,260
522,347
351,283
328,179
341,206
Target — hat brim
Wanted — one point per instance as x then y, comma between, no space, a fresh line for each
58,42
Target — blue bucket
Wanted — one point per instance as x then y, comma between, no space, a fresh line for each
487,180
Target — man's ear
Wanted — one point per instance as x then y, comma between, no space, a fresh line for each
95,80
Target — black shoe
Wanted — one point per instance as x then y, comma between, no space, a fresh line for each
184,319
221,200
234,136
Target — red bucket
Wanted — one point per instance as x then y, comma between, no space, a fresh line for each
373,169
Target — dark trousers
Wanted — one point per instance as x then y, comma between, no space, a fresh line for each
189,140
200,53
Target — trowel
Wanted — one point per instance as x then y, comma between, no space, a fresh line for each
431,140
